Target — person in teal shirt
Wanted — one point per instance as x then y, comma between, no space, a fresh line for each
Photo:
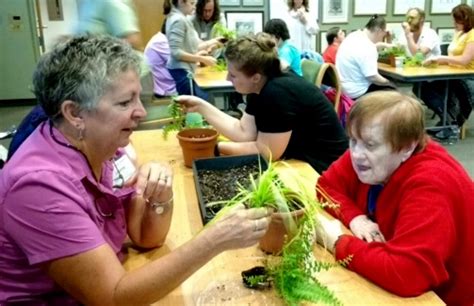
289,55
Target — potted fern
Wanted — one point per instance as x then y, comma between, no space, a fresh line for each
293,273
196,140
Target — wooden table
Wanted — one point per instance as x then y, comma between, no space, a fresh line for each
213,81
420,74
219,281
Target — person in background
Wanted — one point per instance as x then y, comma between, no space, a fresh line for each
285,116
96,17
109,17
334,37
356,60
70,195
207,14
460,54
418,37
302,25
186,48
290,56
157,53
413,228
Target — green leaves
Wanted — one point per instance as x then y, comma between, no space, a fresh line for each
220,30
181,120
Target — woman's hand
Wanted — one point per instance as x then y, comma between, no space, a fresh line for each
363,228
241,227
155,182
432,60
190,103
327,231
208,60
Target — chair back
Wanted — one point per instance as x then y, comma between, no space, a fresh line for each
329,76
444,49
310,70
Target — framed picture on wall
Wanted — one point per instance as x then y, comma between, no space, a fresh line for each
400,7
335,11
252,2
244,22
229,2
370,7
443,6
446,35
323,43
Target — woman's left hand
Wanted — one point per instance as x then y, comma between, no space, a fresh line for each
155,182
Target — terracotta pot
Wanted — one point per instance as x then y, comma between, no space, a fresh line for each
277,233
197,143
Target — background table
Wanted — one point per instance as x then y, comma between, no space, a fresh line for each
219,281
420,74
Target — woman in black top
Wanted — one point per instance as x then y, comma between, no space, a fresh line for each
285,117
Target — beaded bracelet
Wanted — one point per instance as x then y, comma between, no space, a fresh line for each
159,207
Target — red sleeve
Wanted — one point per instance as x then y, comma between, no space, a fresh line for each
420,234
340,182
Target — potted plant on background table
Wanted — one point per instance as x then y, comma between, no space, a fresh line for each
196,140
293,272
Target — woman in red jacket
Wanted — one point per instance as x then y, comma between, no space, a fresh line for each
408,203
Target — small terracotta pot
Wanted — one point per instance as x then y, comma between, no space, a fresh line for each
197,143
277,233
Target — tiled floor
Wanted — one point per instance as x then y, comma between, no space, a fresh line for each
462,149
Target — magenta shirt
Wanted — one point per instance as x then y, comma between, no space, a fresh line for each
157,53
49,208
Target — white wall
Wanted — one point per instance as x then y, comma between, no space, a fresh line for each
52,30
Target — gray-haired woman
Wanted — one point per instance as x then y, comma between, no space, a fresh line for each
70,194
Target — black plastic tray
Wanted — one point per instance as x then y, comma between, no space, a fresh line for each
221,163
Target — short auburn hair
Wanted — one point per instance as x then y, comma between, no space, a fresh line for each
403,118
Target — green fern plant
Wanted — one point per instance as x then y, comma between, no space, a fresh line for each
178,116
293,274
220,30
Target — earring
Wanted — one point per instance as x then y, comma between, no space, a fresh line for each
81,134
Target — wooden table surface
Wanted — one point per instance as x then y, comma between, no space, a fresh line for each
209,79
219,281
418,74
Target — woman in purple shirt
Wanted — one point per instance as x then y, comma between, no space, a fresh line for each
70,195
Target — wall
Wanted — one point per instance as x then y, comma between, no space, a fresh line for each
356,22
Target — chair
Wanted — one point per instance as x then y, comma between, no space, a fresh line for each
444,49
328,76
323,74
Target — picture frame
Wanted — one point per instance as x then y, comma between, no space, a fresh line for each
400,7
229,2
335,11
323,43
443,6
252,3
446,35
244,22
370,7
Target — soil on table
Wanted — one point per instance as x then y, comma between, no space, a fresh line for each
221,185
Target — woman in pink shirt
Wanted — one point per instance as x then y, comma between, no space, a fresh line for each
70,194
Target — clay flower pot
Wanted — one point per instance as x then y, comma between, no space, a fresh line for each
277,234
197,143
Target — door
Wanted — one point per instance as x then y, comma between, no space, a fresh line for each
19,48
